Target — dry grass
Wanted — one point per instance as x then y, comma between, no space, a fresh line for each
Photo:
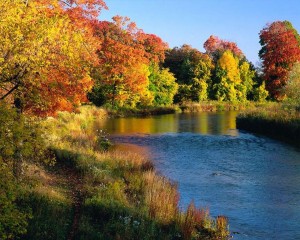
161,197
213,106
116,183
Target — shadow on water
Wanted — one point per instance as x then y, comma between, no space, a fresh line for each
253,180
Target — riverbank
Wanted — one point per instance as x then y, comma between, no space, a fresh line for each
215,106
274,120
205,106
147,111
91,193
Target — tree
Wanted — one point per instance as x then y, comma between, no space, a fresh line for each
292,88
280,50
233,77
192,70
154,47
162,86
177,61
123,71
247,74
260,93
45,55
227,77
215,46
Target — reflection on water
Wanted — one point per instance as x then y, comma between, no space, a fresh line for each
253,180
203,123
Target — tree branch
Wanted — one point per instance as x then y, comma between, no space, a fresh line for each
10,91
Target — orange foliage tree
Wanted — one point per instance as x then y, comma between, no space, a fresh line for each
154,47
125,54
46,54
280,50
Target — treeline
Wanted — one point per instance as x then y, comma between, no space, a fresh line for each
56,55
139,70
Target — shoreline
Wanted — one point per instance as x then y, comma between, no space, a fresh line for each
120,191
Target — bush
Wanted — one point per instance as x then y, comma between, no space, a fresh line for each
21,140
292,88
260,93
13,219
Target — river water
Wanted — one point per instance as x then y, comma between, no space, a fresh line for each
253,180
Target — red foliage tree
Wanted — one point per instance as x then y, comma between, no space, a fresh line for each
154,46
215,45
280,50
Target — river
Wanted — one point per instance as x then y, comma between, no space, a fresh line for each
253,180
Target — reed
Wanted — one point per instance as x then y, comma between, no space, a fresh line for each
275,120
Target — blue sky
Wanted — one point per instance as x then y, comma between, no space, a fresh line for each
193,21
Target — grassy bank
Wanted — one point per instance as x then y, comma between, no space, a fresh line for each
275,120
205,106
215,106
91,193
145,111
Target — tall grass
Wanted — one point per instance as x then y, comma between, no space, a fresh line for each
122,197
145,111
275,120
214,106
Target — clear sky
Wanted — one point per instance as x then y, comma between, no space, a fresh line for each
193,21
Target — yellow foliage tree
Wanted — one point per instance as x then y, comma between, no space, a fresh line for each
44,56
230,64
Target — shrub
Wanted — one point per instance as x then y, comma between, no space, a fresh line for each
13,219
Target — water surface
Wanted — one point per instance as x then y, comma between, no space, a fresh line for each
253,180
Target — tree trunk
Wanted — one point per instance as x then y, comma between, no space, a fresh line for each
18,158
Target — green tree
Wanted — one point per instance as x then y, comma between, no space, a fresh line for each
162,85
193,71
13,220
292,89
21,140
260,93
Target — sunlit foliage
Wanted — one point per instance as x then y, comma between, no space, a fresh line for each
125,54
45,55
280,50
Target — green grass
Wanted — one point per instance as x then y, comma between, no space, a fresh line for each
91,193
122,195
52,218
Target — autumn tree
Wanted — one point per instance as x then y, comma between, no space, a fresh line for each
227,77
215,47
280,50
234,75
129,66
46,52
46,55
154,47
122,77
